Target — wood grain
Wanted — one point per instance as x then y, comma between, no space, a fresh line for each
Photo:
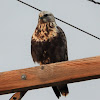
50,75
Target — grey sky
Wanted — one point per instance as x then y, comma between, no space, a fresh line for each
17,24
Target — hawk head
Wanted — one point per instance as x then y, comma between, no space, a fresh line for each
45,17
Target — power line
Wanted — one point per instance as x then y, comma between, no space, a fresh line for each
63,21
29,5
94,2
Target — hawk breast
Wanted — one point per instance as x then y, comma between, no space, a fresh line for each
45,31
49,50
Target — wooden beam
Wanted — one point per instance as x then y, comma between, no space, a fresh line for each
49,75
18,95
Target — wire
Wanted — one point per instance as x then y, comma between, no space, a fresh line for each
29,5
63,21
94,2
78,28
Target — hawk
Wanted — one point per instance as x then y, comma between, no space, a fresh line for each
49,45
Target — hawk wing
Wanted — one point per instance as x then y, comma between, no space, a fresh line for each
63,88
63,37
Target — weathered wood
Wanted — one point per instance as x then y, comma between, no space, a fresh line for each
49,75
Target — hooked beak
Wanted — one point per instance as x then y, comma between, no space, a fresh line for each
41,17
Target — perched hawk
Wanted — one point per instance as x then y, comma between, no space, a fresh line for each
48,45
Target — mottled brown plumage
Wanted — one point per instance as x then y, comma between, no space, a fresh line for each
48,45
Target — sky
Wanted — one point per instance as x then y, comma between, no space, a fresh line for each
17,24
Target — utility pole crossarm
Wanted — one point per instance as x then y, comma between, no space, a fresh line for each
49,75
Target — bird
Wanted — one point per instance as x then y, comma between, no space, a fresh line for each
49,45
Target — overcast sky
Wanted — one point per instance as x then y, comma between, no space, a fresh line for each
17,24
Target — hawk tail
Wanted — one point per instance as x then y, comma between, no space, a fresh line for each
56,91
61,89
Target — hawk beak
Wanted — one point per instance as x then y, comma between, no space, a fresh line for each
41,17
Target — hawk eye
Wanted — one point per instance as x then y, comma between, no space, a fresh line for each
45,15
